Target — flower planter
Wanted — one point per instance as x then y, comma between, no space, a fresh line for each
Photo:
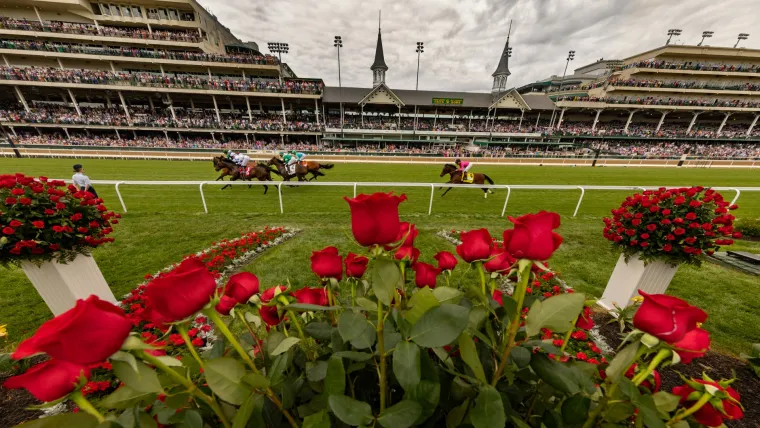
628,278
60,285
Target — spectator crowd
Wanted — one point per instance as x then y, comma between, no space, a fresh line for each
192,36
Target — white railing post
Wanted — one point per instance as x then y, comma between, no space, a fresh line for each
354,190
118,193
506,201
203,198
432,193
577,207
279,195
738,192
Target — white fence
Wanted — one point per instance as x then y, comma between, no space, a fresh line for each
432,186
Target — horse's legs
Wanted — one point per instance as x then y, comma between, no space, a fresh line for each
447,191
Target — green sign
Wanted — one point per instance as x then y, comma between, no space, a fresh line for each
448,101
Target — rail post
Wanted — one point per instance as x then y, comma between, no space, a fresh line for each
577,207
354,190
506,201
432,193
738,192
118,193
279,195
203,198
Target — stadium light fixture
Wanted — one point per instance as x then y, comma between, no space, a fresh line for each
570,57
338,43
705,35
279,49
742,36
420,50
672,32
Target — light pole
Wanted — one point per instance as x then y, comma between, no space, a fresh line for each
338,43
420,50
279,49
570,57
705,35
672,32
742,36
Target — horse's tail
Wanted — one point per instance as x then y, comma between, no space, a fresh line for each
326,165
488,179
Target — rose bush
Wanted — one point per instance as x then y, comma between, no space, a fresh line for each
43,220
673,225
395,350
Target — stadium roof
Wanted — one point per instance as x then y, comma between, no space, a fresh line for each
379,57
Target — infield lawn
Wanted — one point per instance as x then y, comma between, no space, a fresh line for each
164,223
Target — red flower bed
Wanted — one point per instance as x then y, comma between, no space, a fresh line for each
672,225
42,220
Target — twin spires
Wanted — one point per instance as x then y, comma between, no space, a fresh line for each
378,67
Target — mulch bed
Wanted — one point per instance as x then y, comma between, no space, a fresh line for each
716,365
13,404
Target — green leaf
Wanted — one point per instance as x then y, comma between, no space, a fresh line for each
622,361
665,401
420,302
575,409
316,371
366,304
317,420
456,415
335,380
306,307
169,361
193,419
320,330
352,324
556,313
447,295
400,415
253,319
440,326
125,397
618,412
285,345
488,411
353,355
278,370
79,420
243,413
406,365
470,356
510,305
224,377
127,358
385,276
558,376
680,424
350,411
648,411
366,339
143,380
428,394
256,380
133,343
521,356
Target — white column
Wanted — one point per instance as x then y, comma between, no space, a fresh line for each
751,127
74,101
39,18
662,119
493,122
453,112
97,26
113,69
60,63
216,109
261,107
108,100
469,122
722,124
117,134
435,118
316,110
628,122
168,140
66,130
192,103
693,121
150,103
399,116
282,103
161,67
124,105
522,113
561,116
232,106
362,113
150,30
171,107
209,72
596,119
21,98
5,60
248,105
537,119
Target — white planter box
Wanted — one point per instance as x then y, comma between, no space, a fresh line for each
628,278
61,285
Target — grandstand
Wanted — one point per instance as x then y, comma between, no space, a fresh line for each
144,74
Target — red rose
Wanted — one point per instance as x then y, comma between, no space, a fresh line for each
666,317
407,232
679,200
679,231
636,222
644,236
498,295
242,286
48,211
737,235
76,217
657,382
694,344
50,380
327,263
690,216
10,201
425,274
88,333
15,223
533,238
476,245
446,260
180,293
225,305
269,315
356,265
651,227
500,260
269,293
58,229
17,191
708,415
82,229
374,218
585,322
25,201
407,254
311,296
60,206
665,221
54,247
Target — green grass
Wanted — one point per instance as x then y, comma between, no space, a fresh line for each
164,223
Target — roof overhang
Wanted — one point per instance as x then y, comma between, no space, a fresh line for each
379,92
510,99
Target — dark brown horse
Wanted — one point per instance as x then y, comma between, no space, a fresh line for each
301,170
260,172
456,178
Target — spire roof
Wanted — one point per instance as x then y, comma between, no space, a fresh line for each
503,67
379,57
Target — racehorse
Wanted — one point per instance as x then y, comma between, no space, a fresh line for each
301,170
456,178
260,172
313,168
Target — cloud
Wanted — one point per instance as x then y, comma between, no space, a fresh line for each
464,38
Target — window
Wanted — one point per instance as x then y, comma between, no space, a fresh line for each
162,14
105,9
125,11
136,12
152,13
115,10
187,16
173,15
96,9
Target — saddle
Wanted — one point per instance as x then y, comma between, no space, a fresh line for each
291,169
468,177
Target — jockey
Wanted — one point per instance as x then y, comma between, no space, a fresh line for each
464,167
293,158
242,160
230,155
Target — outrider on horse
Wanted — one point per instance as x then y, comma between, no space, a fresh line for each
260,171
456,177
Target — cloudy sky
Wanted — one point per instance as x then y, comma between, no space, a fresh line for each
464,38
